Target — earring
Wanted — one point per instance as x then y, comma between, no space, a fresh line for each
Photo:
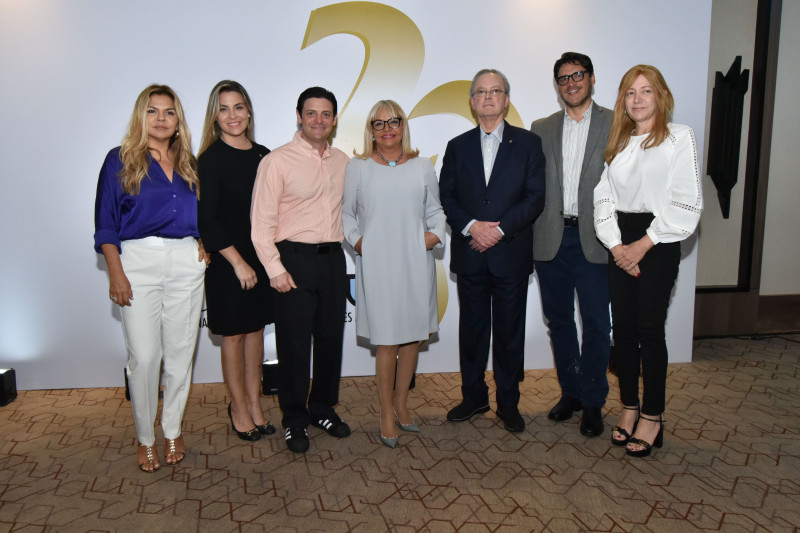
177,133
373,139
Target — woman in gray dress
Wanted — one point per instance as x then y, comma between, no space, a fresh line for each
393,219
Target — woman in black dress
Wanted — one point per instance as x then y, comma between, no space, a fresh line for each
238,295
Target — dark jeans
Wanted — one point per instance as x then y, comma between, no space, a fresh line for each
581,368
315,309
497,304
639,312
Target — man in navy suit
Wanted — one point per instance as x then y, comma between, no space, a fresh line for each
492,189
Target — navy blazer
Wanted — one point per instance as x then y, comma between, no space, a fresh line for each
514,196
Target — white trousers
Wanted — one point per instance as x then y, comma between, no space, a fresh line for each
161,324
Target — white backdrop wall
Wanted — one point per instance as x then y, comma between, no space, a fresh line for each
71,71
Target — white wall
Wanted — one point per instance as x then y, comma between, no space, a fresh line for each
71,72
780,273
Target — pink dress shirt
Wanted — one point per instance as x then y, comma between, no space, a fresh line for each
297,197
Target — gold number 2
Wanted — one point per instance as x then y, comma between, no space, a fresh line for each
392,65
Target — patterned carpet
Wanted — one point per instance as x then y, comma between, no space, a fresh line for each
731,462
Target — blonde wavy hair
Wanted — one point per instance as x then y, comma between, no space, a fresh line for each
394,110
211,129
134,151
622,125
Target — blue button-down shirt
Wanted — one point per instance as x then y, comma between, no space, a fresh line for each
161,209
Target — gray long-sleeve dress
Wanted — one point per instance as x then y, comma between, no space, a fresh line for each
392,208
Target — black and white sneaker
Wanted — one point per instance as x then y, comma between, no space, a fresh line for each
297,439
333,425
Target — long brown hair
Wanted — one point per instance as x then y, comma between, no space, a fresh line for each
134,151
211,129
622,125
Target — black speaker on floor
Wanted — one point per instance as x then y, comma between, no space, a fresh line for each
269,377
8,386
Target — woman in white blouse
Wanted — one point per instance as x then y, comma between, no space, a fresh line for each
648,200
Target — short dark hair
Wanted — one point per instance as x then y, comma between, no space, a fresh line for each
315,92
573,57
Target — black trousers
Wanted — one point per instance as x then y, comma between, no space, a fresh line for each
639,313
493,304
314,310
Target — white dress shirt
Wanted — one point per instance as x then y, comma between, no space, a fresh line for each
573,147
490,143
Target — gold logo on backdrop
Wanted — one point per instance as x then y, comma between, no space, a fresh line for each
393,62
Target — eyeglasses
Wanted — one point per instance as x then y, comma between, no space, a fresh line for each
576,76
483,93
393,123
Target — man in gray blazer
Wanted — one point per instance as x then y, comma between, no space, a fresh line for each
567,255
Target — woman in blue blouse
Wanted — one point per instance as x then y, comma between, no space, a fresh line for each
146,229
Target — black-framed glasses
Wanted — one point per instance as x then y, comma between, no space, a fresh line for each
576,76
483,93
393,123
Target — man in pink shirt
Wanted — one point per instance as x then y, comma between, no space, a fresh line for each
296,217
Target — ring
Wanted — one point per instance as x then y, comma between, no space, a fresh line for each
113,298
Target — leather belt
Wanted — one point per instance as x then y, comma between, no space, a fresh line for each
323,248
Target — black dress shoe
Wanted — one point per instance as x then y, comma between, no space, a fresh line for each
466,410
511,418
564,409
592,423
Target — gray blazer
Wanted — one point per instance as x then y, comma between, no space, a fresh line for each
549,227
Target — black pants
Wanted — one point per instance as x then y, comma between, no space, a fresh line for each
493,304
315,309
639,313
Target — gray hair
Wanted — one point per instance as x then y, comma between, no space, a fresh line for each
489,71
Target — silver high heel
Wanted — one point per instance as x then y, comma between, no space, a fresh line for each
391,442
412,427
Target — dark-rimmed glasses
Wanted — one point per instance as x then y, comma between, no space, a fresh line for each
576,76
393,123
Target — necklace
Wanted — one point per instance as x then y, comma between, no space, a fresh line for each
390,163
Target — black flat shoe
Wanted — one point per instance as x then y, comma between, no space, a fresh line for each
266,429
646,446
251,435
619,430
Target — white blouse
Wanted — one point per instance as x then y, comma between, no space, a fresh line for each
663,180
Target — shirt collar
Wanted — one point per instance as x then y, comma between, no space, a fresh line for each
305,145
586,114
497,133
